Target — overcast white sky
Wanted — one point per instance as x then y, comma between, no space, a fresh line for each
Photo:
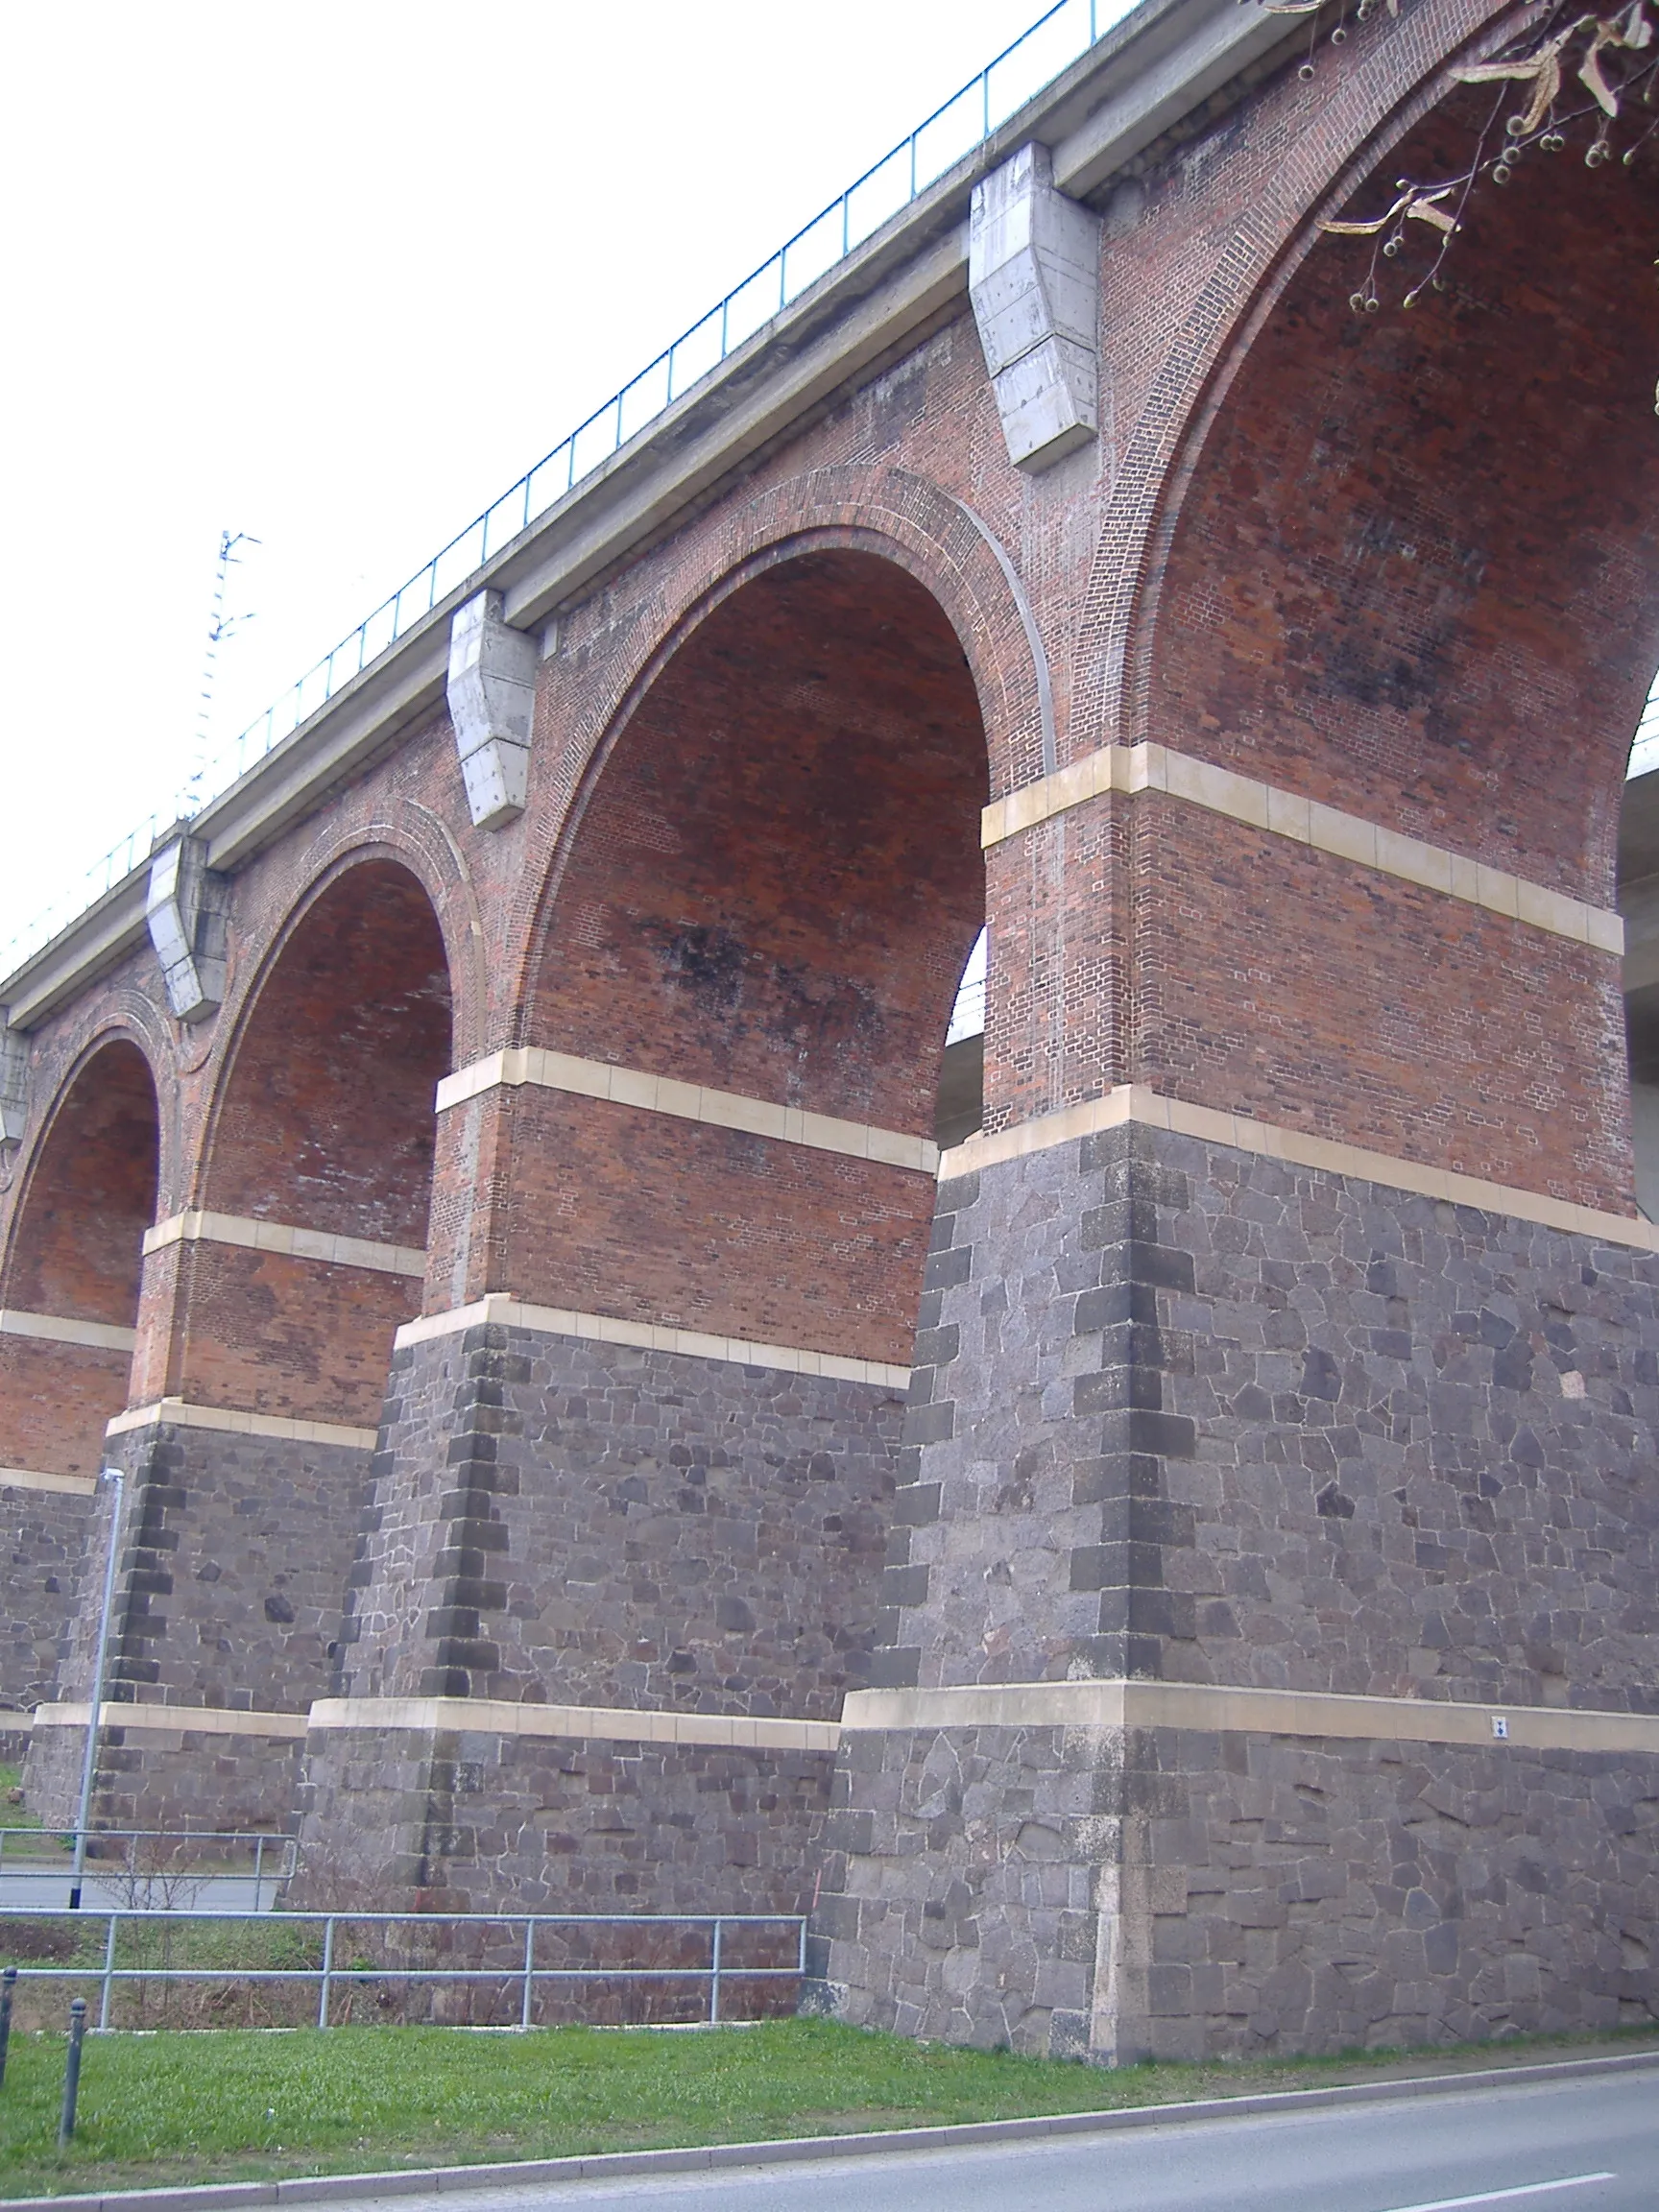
335,276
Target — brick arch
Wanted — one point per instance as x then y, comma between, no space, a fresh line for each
315,1173
1348,127
89,1191
74,1260
127,1014
771,877
769,887
324,1095
1407,568
890,513
1422,547
402,831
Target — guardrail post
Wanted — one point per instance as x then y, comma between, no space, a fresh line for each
109,1973
529,1970
72,2070
328,1971
7,1988
714,1979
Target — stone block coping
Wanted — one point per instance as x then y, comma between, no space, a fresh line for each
192,1228
1136,768
610,1723
1108,1702
27,1478
173,1720
501,1308
58,1329
1129,1103
178,1413
687,1102
716,2157
1116,1703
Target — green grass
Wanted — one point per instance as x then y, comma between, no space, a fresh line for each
12,1815
181,2107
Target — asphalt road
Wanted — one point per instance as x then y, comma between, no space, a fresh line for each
1577,2146
46,1890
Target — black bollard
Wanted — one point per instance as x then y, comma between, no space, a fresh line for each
72,2070
8,1987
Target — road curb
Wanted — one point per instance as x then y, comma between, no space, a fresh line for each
710,2157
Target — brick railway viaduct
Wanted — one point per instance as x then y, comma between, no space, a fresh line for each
482,1181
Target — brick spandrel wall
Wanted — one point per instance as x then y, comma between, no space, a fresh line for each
1189,1413
563,1522
1177,1894
45,1536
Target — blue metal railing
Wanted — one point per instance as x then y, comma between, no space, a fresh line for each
965,121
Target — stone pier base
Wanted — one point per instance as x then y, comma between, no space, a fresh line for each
44,1525
459,1805
172,1767
1086,1885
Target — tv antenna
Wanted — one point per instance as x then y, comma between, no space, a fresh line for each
220,627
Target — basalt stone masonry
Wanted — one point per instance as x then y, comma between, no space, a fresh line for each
43,1531
594,1524
1154,1542
1287,1429
234,1552
565,1526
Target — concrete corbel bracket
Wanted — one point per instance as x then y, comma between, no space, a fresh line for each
13,1082
186,908
492,706
1034,279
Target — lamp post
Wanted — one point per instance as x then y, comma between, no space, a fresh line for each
89,1764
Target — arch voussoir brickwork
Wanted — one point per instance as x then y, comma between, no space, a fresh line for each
1367,99
891,512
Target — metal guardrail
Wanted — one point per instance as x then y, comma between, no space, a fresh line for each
965,121
328,1976
145,1856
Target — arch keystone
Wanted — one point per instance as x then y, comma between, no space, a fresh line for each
1034,279
186,910
492,703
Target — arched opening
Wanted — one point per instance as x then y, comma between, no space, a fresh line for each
1415,577
70,1291
319,1178
284,1285
723,1171
1639,904
772,891
327,1112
